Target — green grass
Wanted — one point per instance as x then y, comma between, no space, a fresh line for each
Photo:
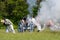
45,35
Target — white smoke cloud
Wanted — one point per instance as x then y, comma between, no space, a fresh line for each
31,4
50,9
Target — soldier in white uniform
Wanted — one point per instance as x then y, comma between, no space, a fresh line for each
52,26
36,23
8,24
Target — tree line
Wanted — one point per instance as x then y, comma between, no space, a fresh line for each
15,9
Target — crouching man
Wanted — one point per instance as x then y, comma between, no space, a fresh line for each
8,24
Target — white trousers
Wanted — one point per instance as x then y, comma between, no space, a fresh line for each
10,29
39,27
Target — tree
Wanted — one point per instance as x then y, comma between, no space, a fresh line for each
35,9
13,9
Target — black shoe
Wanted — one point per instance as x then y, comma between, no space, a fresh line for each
38,31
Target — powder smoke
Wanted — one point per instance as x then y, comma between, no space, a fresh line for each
31,4
50,9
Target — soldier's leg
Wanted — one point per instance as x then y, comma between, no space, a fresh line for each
21,28
12,29
39,28
31,27
25,27
7,30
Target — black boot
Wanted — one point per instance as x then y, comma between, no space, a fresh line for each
38,31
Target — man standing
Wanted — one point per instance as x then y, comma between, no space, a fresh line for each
21,26
8,24
36,23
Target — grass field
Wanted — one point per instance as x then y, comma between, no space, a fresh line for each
45,35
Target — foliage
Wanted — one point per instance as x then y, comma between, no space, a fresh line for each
16,9
13,9
35,9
